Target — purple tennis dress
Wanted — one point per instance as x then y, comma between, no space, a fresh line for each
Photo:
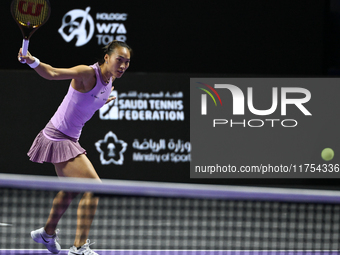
58,141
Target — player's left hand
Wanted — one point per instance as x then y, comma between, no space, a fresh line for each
110,98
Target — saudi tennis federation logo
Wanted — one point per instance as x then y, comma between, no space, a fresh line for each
111,149
204,97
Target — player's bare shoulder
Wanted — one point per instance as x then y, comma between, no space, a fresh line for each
86,78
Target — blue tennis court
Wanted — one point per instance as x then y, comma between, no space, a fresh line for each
176,252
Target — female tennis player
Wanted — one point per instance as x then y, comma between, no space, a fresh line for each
57,143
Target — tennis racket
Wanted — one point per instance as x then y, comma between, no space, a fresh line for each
30,15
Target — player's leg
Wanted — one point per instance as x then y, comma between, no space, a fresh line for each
48,234
85,214
81,167
60,203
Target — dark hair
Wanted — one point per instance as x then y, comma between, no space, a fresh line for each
109,48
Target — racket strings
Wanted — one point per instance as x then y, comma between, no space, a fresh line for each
32,13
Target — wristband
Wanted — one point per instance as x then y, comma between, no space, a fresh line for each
35,63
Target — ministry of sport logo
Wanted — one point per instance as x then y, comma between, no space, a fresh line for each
111,149
243,105
79,24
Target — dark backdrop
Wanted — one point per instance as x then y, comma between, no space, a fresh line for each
262,37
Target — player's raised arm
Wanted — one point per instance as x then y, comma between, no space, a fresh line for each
82,76
51,73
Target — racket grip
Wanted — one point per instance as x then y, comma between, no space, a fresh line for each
24,49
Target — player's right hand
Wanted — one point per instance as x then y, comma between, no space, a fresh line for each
28,58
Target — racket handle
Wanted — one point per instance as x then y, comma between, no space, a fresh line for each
24,49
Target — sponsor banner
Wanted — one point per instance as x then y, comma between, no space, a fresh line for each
147,141
264,127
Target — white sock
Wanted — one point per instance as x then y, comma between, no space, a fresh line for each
47,235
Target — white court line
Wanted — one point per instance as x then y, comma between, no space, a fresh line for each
5,224
241,251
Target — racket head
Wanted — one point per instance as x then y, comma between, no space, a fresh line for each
30,14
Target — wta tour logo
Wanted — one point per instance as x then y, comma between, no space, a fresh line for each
71,27
79,24
238,105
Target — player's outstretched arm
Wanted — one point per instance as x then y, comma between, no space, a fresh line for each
83,76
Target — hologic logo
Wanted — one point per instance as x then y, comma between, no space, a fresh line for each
238,106
72,28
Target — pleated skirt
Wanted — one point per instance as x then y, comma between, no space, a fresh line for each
53,146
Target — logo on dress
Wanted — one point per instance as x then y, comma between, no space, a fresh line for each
111,149
109,111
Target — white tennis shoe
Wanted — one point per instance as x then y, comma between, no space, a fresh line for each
40,236
84,250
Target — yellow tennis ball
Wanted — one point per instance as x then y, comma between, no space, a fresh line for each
327,154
